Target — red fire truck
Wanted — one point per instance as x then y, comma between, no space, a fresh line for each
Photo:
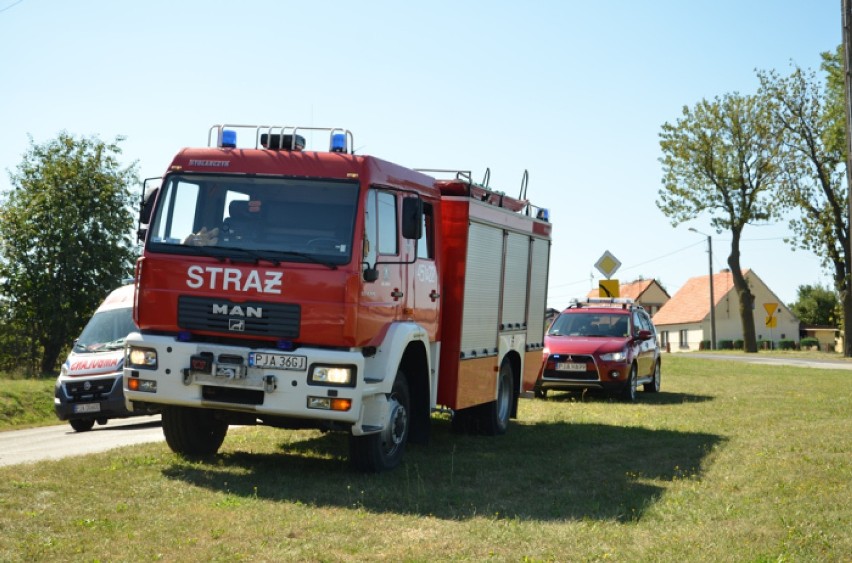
323,289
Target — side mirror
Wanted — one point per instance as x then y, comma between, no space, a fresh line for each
370,274
412,218
645,335
147,206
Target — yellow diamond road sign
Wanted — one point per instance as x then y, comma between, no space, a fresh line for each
607,264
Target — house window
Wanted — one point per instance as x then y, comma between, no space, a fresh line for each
664,338
684,340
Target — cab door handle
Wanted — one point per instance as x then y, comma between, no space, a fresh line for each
396,294
434,295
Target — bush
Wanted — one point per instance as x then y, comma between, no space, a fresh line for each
704,345
767,345
726,345
809,342
786,345
739,344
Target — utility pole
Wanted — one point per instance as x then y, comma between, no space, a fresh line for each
712,298
846,8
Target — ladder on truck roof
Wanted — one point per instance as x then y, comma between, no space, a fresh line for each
464,185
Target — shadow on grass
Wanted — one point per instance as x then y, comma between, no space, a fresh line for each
598,396
544,471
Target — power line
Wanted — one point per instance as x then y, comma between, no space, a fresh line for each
13,4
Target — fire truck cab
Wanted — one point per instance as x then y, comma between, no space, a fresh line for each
319,288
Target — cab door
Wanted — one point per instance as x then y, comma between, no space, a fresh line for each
382,300
424,296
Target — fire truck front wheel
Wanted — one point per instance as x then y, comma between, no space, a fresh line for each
383,451
193,432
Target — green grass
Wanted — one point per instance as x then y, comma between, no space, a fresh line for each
731,462
26,402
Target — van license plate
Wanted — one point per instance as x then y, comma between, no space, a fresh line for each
277,361
87,407
570,366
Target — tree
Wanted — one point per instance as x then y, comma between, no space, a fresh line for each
65,238
813,186
722,158
815,305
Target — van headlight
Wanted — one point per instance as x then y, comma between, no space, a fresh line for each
332,375
141,358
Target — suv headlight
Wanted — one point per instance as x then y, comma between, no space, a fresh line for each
619,356
332,375
143,358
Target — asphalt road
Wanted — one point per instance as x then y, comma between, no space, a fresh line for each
765,360
56,442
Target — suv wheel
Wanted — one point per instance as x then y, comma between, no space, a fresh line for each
654,385
628,394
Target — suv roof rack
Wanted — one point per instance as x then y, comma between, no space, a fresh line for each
611,302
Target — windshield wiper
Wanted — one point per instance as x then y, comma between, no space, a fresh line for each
274,256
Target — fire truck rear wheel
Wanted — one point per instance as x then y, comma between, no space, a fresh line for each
193,432
382,451
495,415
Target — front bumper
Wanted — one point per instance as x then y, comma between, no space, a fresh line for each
95,397
561,373
183,377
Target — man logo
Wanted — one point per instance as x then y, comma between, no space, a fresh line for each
237,311
236,325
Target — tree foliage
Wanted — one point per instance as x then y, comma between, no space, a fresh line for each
722,158
812,122
815,305
65,239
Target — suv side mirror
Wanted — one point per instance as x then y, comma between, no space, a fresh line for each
645,335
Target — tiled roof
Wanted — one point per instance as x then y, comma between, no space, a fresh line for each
633,290
691,304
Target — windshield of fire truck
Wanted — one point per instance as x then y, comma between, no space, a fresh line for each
282,219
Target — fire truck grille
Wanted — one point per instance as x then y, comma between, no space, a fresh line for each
257,318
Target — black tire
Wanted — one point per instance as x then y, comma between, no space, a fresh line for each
654,385
463,421
193,432
494,416
384,450
82,424
628,393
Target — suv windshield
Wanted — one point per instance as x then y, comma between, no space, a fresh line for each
106,330
277,219
591,323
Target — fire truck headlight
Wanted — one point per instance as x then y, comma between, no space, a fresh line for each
143,358
332,375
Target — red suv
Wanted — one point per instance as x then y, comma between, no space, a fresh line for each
608,344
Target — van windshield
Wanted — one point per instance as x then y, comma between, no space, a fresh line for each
278,219
106,330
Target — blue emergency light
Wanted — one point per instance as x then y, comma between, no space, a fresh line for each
338,142
229,138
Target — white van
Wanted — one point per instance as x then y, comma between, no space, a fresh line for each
89,386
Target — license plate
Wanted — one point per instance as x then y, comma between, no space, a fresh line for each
277,361
87,407
570,366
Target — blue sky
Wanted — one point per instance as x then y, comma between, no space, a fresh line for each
574,92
